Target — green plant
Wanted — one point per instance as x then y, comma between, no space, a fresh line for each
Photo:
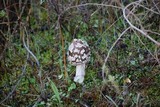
55,90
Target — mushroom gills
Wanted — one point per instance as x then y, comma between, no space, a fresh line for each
80,73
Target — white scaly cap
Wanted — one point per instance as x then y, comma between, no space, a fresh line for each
78,55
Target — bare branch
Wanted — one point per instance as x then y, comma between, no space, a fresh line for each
109,52
134,27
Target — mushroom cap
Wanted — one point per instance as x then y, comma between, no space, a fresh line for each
78,52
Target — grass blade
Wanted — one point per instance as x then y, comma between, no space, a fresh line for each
55,90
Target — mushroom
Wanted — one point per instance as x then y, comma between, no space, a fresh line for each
79,55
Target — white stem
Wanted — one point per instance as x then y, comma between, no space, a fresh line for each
80,73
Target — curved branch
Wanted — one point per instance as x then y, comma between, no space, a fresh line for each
104,65
134,27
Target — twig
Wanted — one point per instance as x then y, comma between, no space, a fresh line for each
134,27
89,4
17,83
137,102
38,66
86,4
107,97
29,51
20,77
63,50
146,49
147,8
98,8
8,24
19,17
156,6
106,59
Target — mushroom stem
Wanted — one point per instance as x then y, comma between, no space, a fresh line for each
80,73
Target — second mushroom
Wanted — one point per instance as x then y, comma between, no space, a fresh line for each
79,55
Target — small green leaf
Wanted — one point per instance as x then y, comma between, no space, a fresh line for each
111,78
72,86
2,13
60,76
32,80
133,62
55,90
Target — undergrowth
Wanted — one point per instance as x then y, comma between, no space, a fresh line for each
124,65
